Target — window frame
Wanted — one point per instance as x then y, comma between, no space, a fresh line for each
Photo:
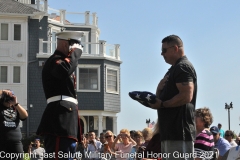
13,33
10,76
7,74
20,73
115,69
1,30
88,66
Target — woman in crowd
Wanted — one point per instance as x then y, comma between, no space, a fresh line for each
147,135
11,112
108,145
154,145
229,137
138,138
204,142
125,145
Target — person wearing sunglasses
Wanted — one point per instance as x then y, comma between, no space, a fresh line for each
11,112
176,98
220,143
108,145
229,137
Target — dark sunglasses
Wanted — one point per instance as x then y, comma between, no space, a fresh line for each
226,135
108,136
164,50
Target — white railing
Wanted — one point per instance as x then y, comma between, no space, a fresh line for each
66,18
101,49
74,18
41,5
25,1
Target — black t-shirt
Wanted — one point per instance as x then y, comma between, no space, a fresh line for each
177,123
9,124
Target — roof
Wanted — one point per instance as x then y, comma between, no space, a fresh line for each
57,18
11,6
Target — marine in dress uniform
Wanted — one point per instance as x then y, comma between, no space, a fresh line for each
60,123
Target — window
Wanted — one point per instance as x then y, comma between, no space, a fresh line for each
89,78
3,74
4,31
17,32
16,74
112,80
54,40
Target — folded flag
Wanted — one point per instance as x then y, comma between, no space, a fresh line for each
143,97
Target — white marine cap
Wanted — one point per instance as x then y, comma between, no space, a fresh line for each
68,35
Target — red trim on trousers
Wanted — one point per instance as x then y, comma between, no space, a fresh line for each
57,147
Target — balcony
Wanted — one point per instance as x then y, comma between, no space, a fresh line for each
80,19
100,50
70,19
92,50
41,5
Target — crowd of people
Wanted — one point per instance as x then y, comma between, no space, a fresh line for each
127,145
213,141
181,131
146,144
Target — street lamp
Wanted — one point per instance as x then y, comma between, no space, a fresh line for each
228,108
147,122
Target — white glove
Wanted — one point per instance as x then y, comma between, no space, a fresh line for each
76,45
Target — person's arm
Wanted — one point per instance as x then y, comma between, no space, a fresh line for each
30,149
131,140
22,112
85,144
99,146
220,157
184,96
115,141
64,67
223,148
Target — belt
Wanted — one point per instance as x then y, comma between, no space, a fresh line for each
62,98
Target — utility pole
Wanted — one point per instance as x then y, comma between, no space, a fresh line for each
228,108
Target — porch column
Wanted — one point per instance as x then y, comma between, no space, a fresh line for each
115,125
102,47
100,122
87,17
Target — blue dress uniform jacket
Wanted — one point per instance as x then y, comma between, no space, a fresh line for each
60,118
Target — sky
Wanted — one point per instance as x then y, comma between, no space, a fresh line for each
210,31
